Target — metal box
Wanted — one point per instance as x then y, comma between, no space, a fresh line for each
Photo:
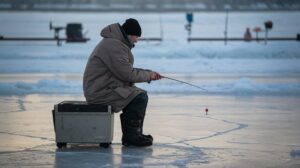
79,122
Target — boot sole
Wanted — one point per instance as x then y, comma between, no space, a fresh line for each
137,145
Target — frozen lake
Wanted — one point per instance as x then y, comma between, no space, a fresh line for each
253,92
259,131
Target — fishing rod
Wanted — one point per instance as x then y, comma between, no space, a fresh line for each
184,83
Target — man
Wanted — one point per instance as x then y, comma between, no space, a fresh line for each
109,79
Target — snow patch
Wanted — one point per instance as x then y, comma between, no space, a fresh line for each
243,86
42,86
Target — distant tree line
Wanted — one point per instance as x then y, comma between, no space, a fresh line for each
150,5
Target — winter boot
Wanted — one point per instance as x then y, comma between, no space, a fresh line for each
141,122
131,134
146,136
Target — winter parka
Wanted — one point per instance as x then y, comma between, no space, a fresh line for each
109,75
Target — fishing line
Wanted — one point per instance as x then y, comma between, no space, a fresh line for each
206,109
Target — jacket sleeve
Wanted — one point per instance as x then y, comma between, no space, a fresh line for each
118,63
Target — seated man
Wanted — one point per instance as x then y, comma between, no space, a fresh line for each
109,79
247,35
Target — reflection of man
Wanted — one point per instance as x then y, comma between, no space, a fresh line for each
109,79
134,157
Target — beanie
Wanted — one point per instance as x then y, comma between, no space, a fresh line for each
132,27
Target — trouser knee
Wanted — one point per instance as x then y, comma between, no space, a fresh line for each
136,109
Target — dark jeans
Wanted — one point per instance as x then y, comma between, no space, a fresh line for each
136,109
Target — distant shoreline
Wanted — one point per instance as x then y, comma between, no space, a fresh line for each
146,11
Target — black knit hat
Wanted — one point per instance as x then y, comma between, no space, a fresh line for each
132,27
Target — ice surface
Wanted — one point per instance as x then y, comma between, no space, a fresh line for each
237,132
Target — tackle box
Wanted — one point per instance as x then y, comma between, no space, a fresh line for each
79,122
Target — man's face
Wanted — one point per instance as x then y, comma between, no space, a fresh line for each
134,38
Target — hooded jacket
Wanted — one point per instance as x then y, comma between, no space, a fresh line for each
109,75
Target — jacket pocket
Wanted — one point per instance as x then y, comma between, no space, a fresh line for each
124,92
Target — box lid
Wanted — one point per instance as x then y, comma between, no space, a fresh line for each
81,106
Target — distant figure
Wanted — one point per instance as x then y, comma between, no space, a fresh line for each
247,35
109,79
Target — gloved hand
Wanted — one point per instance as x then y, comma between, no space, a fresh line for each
155,76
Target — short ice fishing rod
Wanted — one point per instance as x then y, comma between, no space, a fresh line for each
184,83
